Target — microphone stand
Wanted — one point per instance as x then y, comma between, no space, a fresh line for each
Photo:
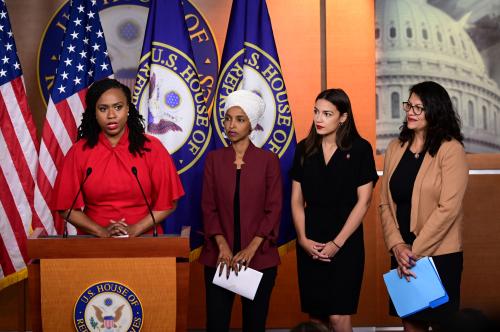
155,231
66,219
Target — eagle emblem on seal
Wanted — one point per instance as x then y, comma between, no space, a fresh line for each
109,322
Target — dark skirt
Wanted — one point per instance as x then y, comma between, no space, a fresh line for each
449,267
332,288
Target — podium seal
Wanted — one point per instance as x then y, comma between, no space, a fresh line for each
109,307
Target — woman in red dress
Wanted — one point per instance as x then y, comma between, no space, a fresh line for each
111,147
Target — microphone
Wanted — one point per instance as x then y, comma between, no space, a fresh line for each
155,231
66,220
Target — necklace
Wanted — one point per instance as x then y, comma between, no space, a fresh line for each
416,154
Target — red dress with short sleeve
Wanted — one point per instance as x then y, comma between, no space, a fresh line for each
111,192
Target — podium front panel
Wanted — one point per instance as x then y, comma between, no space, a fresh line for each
119,294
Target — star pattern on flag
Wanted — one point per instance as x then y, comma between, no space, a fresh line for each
83,54
10,67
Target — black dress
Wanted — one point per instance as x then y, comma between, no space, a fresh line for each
330,193
449,266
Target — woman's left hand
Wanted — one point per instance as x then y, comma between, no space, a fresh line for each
242,258
329,250
406,259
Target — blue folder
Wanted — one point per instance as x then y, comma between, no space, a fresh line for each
418,294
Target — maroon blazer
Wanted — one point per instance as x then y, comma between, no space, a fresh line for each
260,203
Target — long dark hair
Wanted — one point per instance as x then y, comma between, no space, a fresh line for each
346,133
443,122
90,129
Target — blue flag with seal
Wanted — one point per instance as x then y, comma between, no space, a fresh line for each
250,61
168,94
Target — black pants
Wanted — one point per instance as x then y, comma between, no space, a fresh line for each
219,303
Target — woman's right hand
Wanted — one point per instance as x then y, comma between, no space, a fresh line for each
314,249
102,232
406,260
225,255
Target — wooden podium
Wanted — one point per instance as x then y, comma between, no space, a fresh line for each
156,269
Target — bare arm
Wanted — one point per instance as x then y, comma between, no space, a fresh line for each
353,221
80,220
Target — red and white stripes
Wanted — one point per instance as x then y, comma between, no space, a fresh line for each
58,135
18,165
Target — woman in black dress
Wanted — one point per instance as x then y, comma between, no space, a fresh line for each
333,178
421,194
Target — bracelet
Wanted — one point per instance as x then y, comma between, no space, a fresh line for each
336,245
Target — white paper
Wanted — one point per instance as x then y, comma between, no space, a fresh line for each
245,284
434,266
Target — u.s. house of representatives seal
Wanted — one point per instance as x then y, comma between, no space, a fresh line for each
261,74
168,93
108,307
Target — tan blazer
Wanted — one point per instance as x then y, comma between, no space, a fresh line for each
436,212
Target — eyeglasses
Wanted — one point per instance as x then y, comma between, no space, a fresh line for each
417,109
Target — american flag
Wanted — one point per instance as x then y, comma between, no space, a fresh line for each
18,160
83,59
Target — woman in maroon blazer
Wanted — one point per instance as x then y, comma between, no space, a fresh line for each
241,203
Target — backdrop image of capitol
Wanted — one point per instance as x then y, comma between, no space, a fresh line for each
455,43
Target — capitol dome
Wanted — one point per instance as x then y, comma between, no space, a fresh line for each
418,42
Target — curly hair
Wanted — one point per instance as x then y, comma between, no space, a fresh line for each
345,133
90,129
443,122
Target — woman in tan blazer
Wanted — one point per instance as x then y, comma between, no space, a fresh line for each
425,177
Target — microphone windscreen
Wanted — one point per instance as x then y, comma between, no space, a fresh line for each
89,170
134,170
